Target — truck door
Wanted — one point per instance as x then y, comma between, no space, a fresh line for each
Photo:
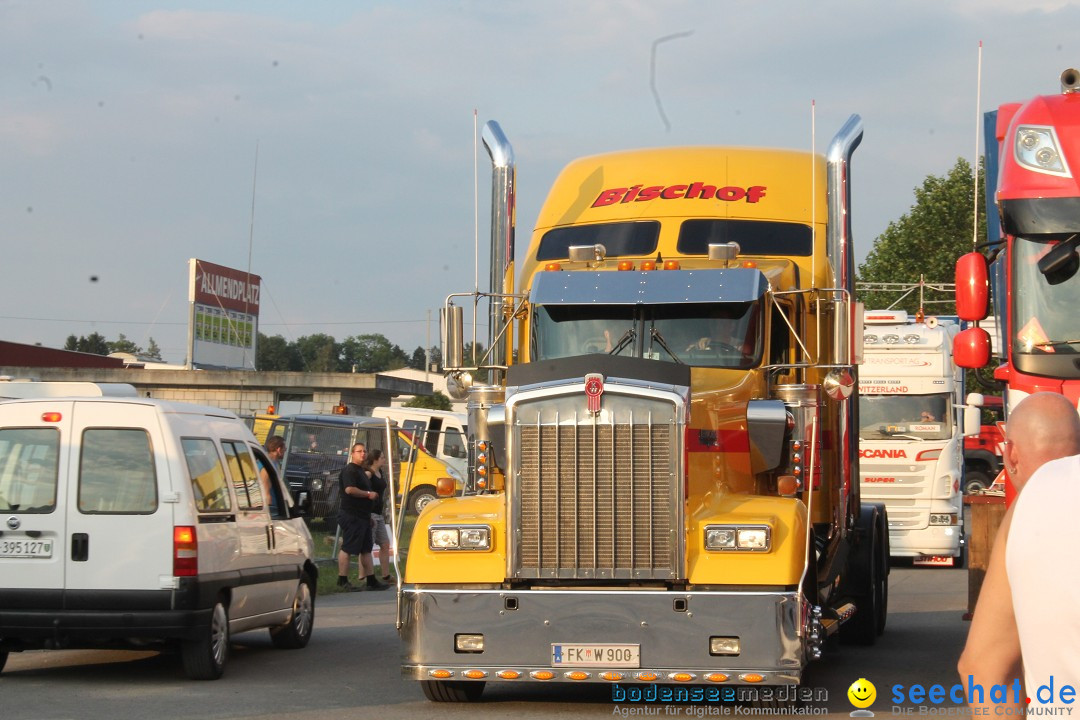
33,466
119,503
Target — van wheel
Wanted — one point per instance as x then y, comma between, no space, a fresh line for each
975,481
420,497
204,659
449,691
296,633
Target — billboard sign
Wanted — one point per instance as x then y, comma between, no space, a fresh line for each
224,323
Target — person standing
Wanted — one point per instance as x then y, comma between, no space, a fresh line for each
275,450
1023,627
376,464
354,518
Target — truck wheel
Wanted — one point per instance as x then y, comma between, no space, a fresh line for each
974,481
419,499
204,658
297,632
450,691
3,659
866,575
882,587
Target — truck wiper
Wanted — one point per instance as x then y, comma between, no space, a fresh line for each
1056,343
654,334
626,339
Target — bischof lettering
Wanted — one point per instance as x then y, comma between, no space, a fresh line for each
693,191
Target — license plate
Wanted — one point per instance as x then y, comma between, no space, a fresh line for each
26,548
934,561
608,655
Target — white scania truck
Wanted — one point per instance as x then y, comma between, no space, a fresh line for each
911,446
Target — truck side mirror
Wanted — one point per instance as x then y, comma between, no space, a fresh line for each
972,419
972,287
453,339
971,348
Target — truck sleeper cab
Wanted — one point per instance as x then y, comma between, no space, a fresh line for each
131,521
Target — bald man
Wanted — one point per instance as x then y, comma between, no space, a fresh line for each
1019,629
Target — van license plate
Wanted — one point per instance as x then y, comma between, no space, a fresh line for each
26,548
581,654
934,561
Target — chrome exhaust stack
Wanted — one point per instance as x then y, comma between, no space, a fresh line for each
503,181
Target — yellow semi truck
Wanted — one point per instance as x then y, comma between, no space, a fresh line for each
663,464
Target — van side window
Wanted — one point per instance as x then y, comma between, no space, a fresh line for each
453,444
245,479
207,475
116,472
28,469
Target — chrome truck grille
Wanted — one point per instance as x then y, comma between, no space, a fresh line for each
597,496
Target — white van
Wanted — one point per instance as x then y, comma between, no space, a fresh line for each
444,433
136,521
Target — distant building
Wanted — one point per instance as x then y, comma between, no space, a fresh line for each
436,379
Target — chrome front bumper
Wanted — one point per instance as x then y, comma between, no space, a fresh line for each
672,630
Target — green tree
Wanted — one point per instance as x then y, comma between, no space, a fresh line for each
318,353
152,352
420,357
93,343
276,353
371,353
122,344
925,242
437,401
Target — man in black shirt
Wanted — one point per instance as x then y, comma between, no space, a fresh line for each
354,517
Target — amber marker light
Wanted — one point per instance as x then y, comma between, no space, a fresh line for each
577,675
647,677
716,677
787,485
508,674
626,265
671,265
752,677
444,487
542,675
611,676
474,674
749,264
648,264
440,674
553,266
682,677
51,417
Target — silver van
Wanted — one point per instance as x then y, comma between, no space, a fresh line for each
133,521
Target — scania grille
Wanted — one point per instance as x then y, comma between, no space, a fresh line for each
597,498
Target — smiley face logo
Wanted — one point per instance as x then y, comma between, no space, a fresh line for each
862,693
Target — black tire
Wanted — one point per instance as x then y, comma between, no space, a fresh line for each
975,480
419,499
866,576
3,659
881,590
205,658
297,632
451,691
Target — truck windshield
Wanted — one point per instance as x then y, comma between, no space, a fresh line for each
1044,309
905,417
703,334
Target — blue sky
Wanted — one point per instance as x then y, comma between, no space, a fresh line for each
128,133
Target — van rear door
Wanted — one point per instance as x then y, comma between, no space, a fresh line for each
120,502
33,463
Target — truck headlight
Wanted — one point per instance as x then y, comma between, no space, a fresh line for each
943,518
754,538
459,537
1037,149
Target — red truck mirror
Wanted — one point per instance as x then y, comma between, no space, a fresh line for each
972,287
971,348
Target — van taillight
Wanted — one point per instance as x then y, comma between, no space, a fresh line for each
185,551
